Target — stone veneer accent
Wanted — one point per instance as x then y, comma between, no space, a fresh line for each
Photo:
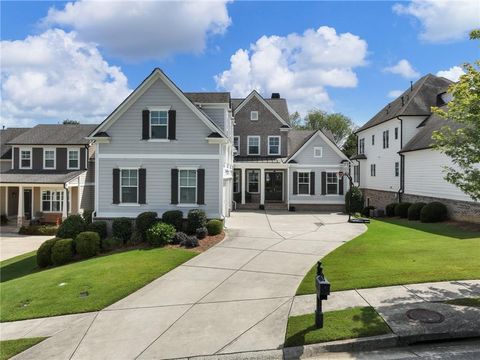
379,198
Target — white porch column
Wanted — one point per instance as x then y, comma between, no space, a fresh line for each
6,201
64,210
244,184
262,186
20,206
288,187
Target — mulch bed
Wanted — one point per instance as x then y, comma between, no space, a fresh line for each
204,244
464,225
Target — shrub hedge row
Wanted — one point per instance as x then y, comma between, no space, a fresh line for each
428,213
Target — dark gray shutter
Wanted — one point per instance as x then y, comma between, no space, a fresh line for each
83,158
340,186
62,159
16,158
116,186
37,158
201,186
324,183
312,183
145,124
142,186
295,183
174,188
172,124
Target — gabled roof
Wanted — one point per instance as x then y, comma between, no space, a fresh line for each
5,136
208,97
414,101
55,134
156,74
278,107
39,176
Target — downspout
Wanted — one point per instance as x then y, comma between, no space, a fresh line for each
402,164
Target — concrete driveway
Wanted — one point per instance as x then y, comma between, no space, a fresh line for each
234,297
12,244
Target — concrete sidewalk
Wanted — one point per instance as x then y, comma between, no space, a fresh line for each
12,244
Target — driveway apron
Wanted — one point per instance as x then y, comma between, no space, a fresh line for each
234,297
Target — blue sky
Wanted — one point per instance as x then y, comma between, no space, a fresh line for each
384,33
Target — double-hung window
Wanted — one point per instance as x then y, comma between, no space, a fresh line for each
253,145
356,173
373,170
304,183
396,133
361,146
188,186
159,124
26,159
236,144
332,183
373,139
274,145
397,168
52,201
385,139
253,181
74,158
129,186
49,158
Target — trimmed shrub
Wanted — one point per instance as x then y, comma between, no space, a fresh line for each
87,244
62,251
196,219
357,200
414,210
190,242
38,230
145,221
71,227
87,216
3,219
44,253
173,217
179,238
160,234
201,233
401,209
111,243
366,210
215,227
390,209
122,228
100,227
433,212
135,239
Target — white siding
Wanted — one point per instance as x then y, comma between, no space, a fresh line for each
410,124
424,175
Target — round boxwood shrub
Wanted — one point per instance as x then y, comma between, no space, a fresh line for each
190,242
215,227
145,221
87,244
111,243
357,200
414,210
136,238
122,228
196,219
433,212
201,233
71,227
401,209
100,227
390,209
173,217
44,253
62,251
179,238
160,234
366,210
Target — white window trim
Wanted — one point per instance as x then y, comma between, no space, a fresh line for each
248,144
252,117
239,180
121,196
160,108
238,147
68,158
196,186
54,158
61,201
326,184
20,158
298,183
315,151
248,181
279,144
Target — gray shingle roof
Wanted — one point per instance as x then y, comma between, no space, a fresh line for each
279,105
38,176
296,139
208,97
55,134
416,101
5,136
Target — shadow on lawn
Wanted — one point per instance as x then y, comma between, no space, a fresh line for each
448,229
19,268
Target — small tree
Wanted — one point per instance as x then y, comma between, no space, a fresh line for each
349,147
70,122
340,125
296,120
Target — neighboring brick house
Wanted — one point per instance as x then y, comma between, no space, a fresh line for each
50,173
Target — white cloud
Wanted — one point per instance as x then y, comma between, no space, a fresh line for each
300,67
453,73
395,93
136,30
54,76
443,20
403,68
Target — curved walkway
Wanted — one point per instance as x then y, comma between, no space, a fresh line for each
234,297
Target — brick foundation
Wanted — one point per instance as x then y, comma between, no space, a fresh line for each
379,198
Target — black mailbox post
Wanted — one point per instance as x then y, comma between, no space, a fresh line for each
323,290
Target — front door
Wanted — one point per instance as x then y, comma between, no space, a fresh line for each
27,203
273,186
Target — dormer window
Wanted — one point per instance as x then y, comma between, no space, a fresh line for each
159,124
26,159
254,115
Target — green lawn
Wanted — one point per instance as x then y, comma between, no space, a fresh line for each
107,279
394,252
338,325
10,348
18,266
475,302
